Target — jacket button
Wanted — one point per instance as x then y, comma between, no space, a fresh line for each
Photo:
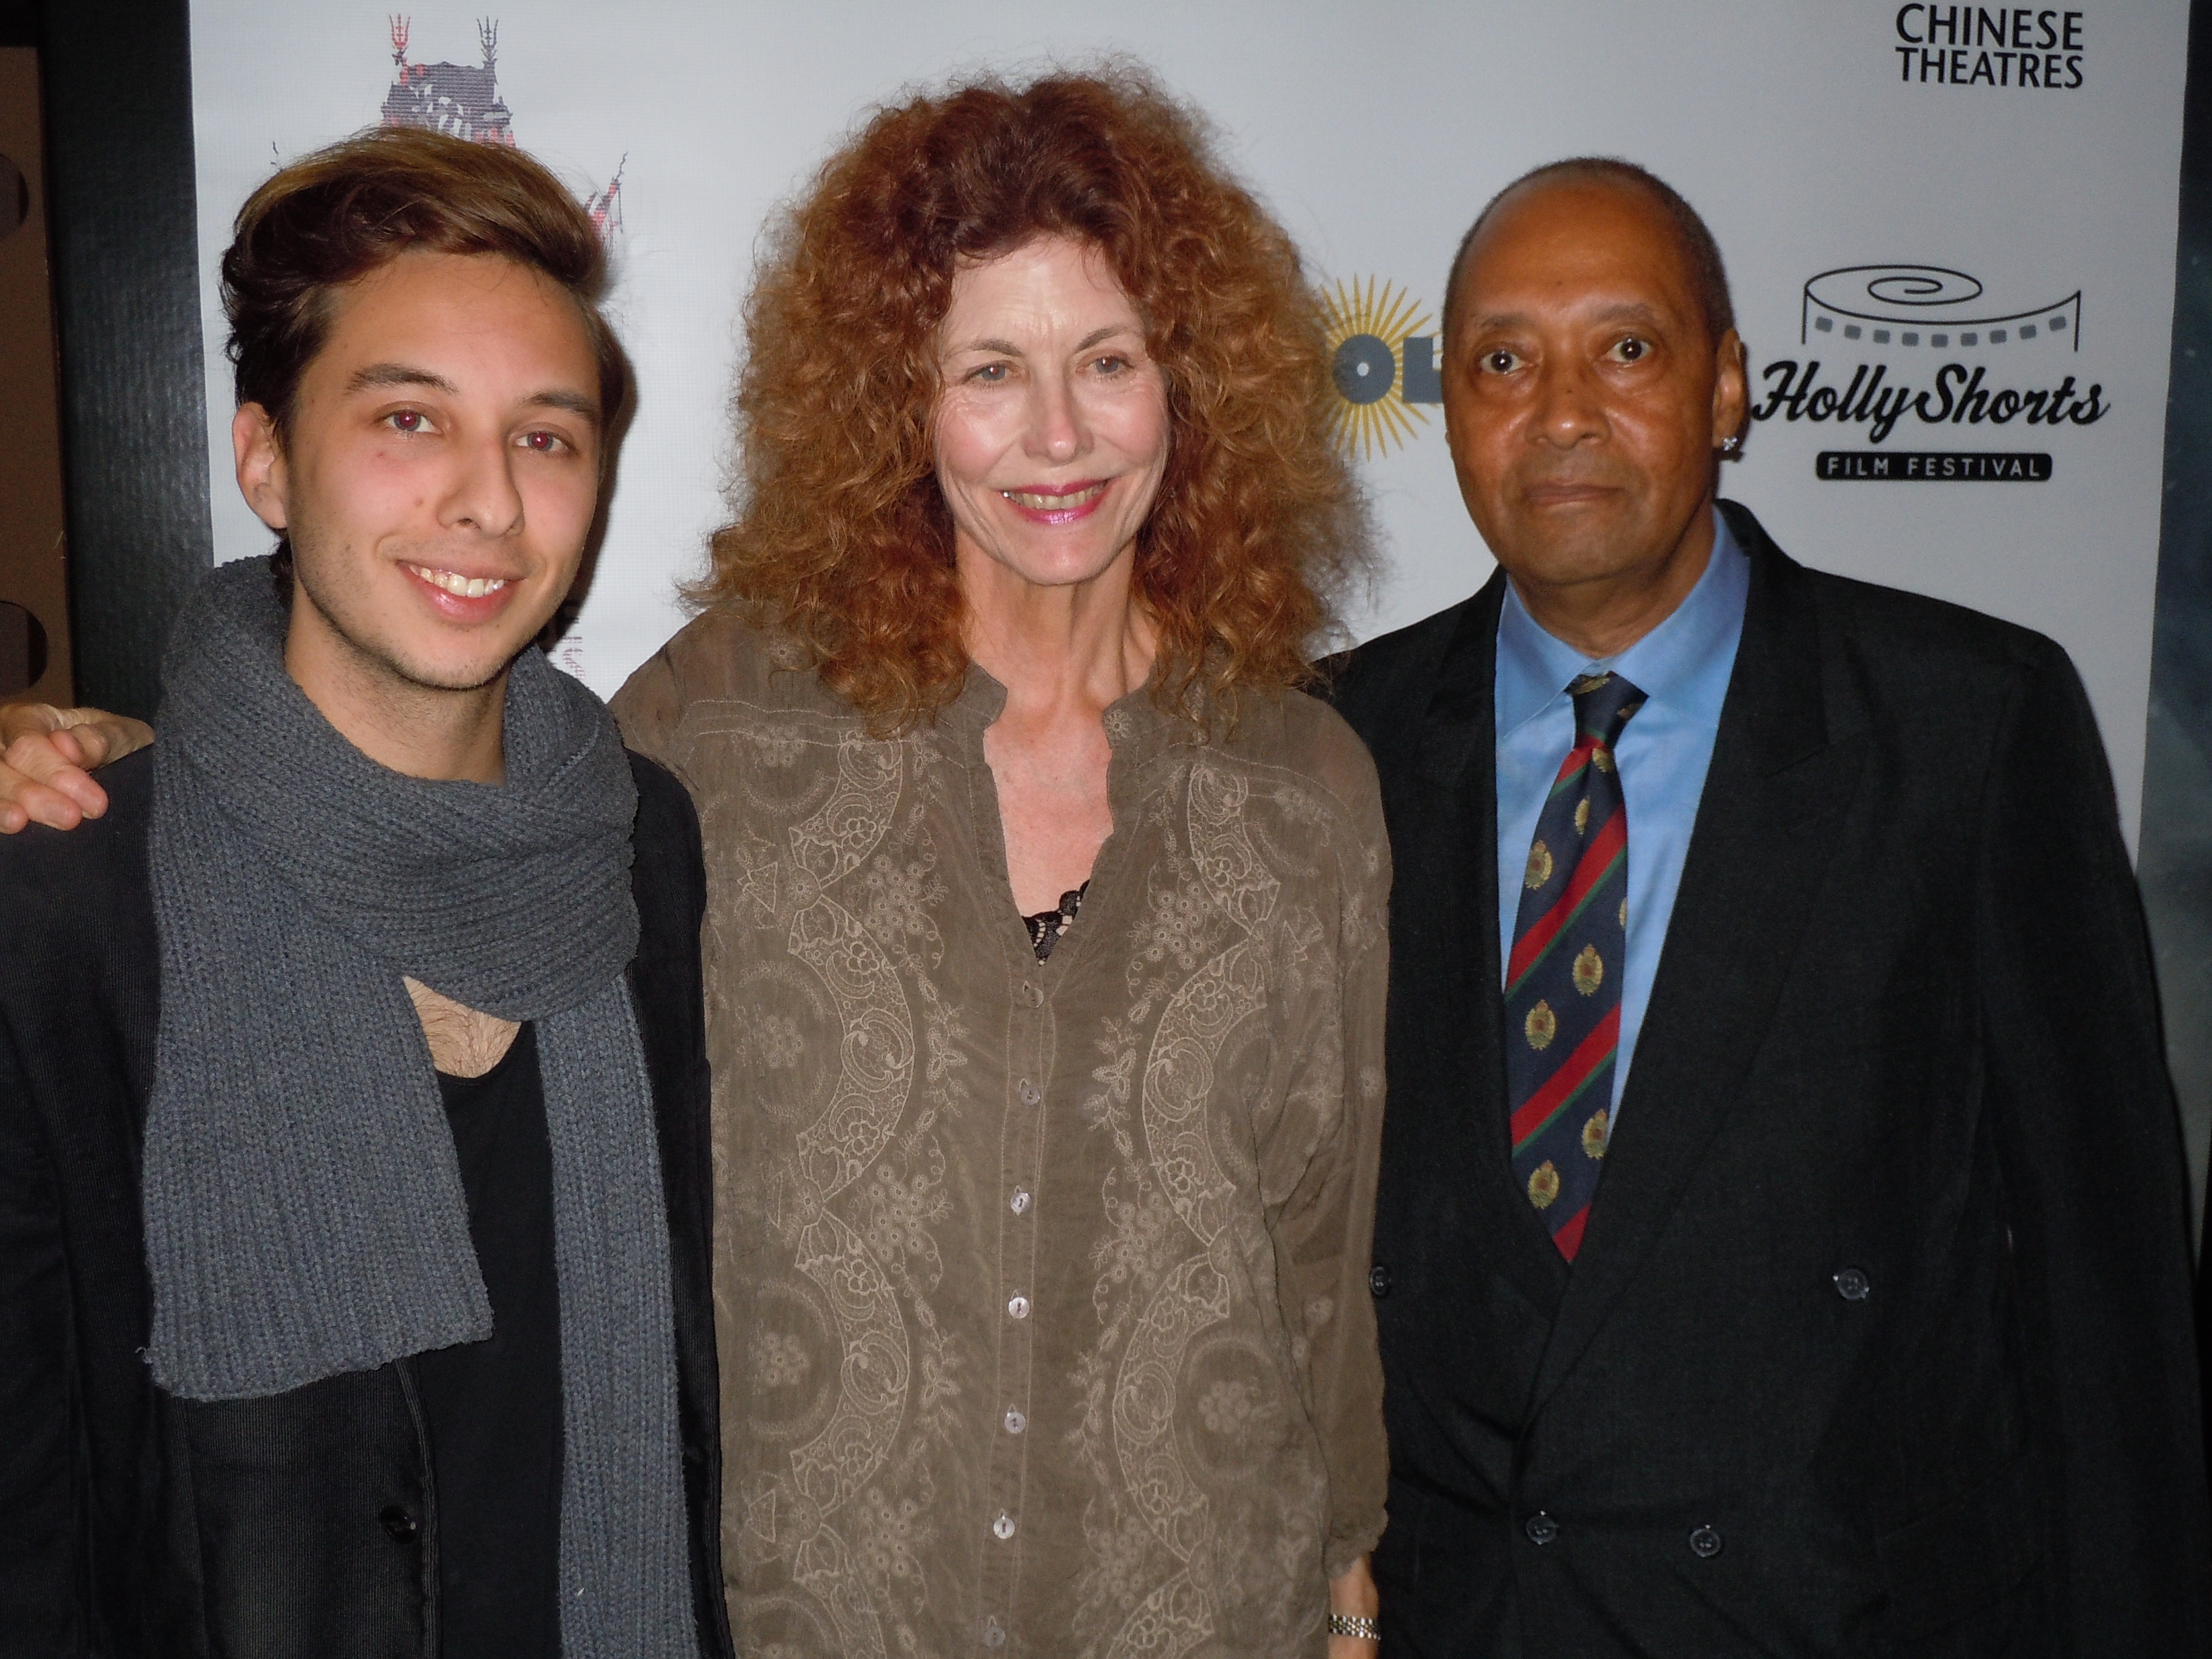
1853,1285
1378,1281
1540,1528
400,1524
1705,1543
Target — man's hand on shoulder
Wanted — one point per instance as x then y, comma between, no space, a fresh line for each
47,756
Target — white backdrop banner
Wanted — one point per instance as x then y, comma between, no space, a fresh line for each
1950,231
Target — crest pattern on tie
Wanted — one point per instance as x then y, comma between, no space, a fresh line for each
1563,981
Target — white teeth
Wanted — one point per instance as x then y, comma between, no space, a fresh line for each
466,587
1040,503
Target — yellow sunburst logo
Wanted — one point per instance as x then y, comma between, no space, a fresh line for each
1379,393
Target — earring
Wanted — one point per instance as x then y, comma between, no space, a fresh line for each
1730,444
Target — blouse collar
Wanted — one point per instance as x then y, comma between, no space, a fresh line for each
1136,726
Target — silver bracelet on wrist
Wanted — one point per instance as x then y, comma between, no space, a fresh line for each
1352,1623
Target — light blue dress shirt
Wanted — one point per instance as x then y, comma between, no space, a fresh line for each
1682,667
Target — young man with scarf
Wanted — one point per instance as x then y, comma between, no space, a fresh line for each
354,1198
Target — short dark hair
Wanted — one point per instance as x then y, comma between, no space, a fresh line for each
1707,274
332,218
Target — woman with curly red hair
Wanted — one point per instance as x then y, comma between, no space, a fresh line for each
1043,1248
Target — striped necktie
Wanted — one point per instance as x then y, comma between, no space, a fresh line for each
1563,981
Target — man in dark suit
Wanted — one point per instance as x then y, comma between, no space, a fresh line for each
1782,1240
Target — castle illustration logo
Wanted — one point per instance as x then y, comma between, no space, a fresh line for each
462,100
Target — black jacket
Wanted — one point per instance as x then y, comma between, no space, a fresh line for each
1879,1341
133,1524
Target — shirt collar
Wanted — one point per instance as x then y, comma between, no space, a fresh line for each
1674,662
1136,726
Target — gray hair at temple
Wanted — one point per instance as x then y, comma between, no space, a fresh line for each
1707,274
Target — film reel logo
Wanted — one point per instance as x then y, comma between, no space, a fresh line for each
1382,366
1930,344
1931,306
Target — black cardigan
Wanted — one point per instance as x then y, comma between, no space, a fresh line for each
132,1523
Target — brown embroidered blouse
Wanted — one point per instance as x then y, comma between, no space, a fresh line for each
1040,1286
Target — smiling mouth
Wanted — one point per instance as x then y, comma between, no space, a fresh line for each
1037,501
460,586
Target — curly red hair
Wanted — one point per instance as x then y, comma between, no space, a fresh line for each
842,539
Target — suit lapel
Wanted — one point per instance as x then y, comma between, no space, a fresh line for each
1765,826
1458,882
1458,727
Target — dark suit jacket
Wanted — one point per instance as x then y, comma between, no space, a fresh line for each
1879,1339
133,1524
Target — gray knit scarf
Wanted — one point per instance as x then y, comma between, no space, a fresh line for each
303,1206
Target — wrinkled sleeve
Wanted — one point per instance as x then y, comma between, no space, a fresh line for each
2083,1118
1325,1228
